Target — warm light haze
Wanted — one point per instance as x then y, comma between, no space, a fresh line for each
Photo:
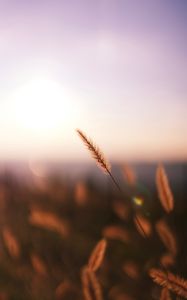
115,69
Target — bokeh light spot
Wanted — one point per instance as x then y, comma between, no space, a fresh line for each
138,201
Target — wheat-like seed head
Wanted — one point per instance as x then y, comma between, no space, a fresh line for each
167,260
90,285
172,282
167,236
116,232
97,256
165,294
63,288
129,175
94,283
164,190
38,265
48,220
11,243
143,225
86,284
95,152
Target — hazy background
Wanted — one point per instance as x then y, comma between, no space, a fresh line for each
115,69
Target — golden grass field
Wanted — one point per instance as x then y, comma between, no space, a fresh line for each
77,240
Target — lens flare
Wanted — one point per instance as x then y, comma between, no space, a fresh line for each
138,201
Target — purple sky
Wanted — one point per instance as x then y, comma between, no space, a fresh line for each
124,63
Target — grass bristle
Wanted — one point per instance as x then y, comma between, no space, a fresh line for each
95,152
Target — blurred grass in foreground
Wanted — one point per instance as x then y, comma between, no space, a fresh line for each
49,228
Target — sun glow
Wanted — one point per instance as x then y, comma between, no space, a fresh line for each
39,119
42,105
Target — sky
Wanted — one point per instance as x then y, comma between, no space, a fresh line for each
116,69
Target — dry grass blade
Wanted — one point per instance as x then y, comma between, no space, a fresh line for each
96,152
172,282
167,237
164,191
129,175
97,255
165,294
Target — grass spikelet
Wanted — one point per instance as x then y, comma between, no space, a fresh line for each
91,286
121,210
164,190
165,294
81,193
167,237
143,225
172,282
167,260
95,286
117,293
129,175
131,269
11,243
48,221
38,265
97,256
116,232
64,290
95,152
86,285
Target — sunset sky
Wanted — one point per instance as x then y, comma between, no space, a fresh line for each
117,69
